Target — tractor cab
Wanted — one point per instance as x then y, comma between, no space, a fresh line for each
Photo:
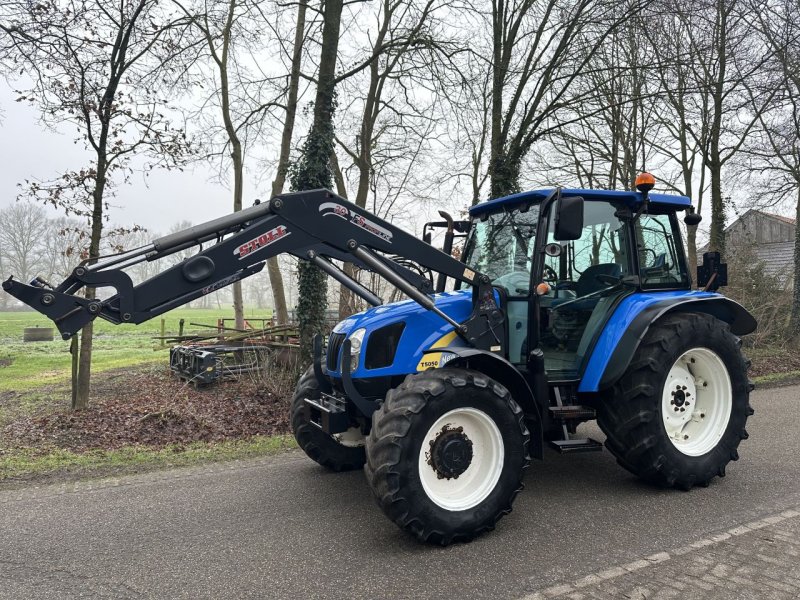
563,265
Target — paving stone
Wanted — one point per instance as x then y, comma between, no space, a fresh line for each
750,562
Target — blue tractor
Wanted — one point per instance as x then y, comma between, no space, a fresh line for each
566,306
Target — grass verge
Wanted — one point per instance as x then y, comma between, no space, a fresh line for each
777,379
21,466
27,366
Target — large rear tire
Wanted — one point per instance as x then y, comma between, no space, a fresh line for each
342,453
678,414
446,454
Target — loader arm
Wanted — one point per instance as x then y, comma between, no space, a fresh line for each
316,226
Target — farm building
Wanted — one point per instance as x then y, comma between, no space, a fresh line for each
770,237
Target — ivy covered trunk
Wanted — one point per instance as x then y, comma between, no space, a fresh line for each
504,175
795,318
313,171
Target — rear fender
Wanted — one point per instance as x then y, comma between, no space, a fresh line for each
502,371
616,363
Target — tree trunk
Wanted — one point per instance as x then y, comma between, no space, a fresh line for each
714,160
82,383
238,181
691,251
73,350
314,172
496,141
504,172
273,267
278,295
717,237
237,155
346,298
795,318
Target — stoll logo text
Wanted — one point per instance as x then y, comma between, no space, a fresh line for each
262,241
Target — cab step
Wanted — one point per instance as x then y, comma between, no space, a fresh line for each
577,445
570,412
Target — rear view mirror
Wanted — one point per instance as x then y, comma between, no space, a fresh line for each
569,218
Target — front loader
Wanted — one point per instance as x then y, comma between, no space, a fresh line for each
568,306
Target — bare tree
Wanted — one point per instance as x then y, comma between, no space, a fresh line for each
23,230
273,267
98,68
313,171
610,131
681,115
242,94
387,122
724,57
538,50
774,148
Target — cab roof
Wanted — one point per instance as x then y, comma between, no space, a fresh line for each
630,198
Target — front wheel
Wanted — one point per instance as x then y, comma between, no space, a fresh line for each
677,415
446,453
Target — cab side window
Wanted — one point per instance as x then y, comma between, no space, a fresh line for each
660,264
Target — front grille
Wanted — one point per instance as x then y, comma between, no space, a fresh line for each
334,346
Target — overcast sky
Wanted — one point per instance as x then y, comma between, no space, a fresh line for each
30,151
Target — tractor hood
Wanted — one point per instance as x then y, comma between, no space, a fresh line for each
421,331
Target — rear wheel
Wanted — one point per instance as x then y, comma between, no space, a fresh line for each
677,416
446,454
342,452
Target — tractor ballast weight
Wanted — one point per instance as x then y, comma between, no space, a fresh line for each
568,305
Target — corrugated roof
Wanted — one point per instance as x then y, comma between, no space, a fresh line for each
781,218
788,220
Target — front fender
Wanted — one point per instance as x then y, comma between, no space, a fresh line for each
502,371
624,331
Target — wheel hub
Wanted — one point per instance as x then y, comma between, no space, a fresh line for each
450,453
679,396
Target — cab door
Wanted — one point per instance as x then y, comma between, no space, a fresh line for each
584,279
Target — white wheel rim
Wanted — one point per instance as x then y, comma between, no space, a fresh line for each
696,402
471,487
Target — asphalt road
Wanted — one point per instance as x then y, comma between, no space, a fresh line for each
283,527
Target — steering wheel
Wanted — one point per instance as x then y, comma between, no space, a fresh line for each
549,275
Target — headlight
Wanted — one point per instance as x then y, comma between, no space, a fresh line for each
356,341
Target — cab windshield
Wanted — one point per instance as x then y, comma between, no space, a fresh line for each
501,245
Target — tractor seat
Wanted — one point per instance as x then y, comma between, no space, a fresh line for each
588,284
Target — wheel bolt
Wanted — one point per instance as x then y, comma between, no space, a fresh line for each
687,404
684,387
686,437
702,415
682,409
676,409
